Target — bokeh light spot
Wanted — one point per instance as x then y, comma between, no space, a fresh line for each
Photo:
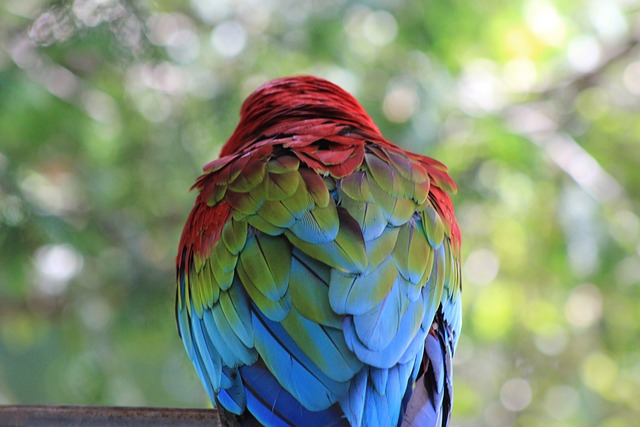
584,306
546,23
516,394
583,53
599,372
56,264
400,102
229,38
481,267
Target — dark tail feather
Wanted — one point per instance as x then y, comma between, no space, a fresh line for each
432,397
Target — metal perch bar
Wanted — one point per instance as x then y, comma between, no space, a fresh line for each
54,416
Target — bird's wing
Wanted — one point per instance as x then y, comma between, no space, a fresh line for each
310,274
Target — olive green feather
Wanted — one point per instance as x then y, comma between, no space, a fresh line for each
266,261
274,310
433,226
249,178
282,185
309,287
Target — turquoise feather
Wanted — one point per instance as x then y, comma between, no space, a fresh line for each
236,312
326,350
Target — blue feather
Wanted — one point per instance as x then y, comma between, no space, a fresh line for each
415,348
233,397
409,327
324,346
212,335
242,353
210,362
353,402
236,311
293,369
319,225
194,355
377,327
357,294
273,406
379,378
425,406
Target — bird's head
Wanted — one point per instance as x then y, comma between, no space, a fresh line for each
292,100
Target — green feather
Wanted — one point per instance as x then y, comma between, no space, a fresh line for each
452,280
266,260
412,252
210,286
380,248
261,224
284,213
251,176
346,253
356,187
300,202
329,182
283,164
229,172
436,279
408,168
328,352
421,194
197,298
234,235
276,214
282,186
223,264
433,226
219,192
245,203
397,210
274,310
318,225
369,216
316,187
198,261
359,293
309,289
384,175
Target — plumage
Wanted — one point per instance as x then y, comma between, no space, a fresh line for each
318,277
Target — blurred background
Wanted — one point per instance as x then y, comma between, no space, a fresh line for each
109,109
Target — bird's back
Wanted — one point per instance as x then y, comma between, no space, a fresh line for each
318,277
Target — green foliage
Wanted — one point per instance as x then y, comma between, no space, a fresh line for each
108,112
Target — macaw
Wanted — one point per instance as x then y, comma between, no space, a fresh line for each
318,274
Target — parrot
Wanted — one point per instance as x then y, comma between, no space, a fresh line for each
318,272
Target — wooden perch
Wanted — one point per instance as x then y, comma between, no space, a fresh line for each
102,416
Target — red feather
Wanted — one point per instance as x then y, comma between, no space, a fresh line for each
326,128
